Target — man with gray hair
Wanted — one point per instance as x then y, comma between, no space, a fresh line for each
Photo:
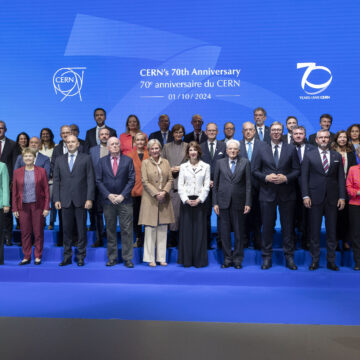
115,178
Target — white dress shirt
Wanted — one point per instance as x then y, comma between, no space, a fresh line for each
279,148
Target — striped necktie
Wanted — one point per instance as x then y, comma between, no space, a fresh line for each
325,162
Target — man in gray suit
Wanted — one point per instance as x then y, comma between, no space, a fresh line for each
73,191
232,200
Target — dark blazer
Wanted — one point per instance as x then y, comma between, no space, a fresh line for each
190,137
41,160
232,188
312,138
95,155
58,151
9,154
90,138
122,183
220,153
84,145
41,188
289,166
255,151
318,185
73,187
351,158
266,135
157,135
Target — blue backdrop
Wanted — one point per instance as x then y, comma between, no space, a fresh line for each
220,59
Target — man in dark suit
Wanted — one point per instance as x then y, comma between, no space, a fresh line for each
232,201
212,151
325,124
115,178
92,135
291,122
262,131
301,212
74,191
164,135
97,152
229,131
8,154
249,148
196,135
323,191
40,159
277,168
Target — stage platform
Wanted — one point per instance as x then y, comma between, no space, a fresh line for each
174,293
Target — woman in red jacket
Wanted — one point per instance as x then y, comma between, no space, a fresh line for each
30,204
127,139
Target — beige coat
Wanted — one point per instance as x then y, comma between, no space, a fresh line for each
153,212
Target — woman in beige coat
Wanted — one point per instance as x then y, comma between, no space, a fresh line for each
156,210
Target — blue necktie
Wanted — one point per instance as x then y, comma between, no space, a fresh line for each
233,166
261,135
249,153
299,153
164,138
276,155
71,163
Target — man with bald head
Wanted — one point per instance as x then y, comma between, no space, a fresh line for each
115,178
40,159
73,192
196,135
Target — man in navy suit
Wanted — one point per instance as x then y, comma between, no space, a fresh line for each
323,191
97,152
40,159
249,147
115,178
212,151
262,131
325,124
74,191
196,135
164,135
291,122
277,168
92,135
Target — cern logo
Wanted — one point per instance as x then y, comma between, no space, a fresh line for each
69,81
307,85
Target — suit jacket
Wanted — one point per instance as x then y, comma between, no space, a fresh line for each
58,151
4,186
219,153
95,155
76,186
9,154
288,165
312,138
266,135
90,138
41,189
190,137
158,135
243,153
351,159
232,188
122,183
41,161
317,184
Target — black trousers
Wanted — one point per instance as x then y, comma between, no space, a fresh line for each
354,220
316,213
268,215
136,213
253,221
235,217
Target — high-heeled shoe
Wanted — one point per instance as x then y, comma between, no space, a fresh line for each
163,263
25,262
37,261
152,264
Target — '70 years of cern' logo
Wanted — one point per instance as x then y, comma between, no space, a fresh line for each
309,87
69,81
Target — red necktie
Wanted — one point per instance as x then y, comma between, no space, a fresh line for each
115,165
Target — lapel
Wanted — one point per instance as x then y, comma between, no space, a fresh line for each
108,162
319,161
5,149
65,160
283,154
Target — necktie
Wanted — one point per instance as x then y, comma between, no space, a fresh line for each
276,155
291,139
212,150
325,162
233,166
299,153
249,152
71,163
261,134
164,138
115,165
197,138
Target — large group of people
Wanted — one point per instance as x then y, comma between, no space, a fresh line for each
163,188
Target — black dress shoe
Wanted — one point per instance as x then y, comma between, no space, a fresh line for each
210,247
357,267
65,262
80,263
25,262
225,266
314,265
238,266
129,264
111,263
97,244
332,266
267,264
8,242
290,264
59,244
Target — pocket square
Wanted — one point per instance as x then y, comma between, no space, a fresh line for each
220,153
336,160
